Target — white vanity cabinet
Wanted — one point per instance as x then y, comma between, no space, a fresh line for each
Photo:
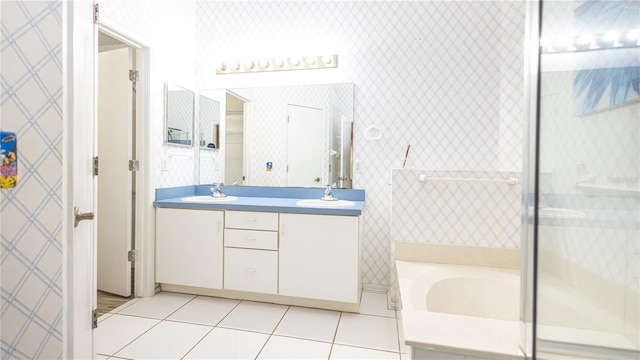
287,258
320,257
189,247
251,251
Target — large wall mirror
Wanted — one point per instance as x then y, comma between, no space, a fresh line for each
209,120
178,115
297,136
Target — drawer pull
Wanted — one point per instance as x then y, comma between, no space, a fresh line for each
250,270
252,219
249,239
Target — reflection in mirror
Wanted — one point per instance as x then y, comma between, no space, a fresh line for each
179,104
209,119
289,135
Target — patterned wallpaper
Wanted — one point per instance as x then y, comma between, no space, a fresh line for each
31,252
456,212
443,76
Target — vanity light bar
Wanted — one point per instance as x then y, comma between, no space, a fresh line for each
585,42
278,64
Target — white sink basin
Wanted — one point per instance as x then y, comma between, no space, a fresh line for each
208,199
317,203
549,212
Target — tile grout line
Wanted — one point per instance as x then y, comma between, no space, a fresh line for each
197,342
335,334
137,337
149,329
272,331
210,330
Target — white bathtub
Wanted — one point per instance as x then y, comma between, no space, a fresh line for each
467,310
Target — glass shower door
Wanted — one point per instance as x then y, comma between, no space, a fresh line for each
588,196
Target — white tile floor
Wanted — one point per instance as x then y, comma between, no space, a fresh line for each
179,326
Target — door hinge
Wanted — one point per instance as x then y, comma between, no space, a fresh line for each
96,13
132,255
95,166
94,318
134,75
134,165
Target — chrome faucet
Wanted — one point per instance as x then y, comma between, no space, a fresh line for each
216,191
328,196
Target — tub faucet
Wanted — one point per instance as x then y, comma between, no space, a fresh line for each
328,196
216,191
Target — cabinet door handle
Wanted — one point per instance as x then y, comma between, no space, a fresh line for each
219,225
282,229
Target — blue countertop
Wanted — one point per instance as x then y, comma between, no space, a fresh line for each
258,198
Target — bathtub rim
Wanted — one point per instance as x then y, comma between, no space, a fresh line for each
466,335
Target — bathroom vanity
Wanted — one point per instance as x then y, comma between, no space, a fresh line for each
261,245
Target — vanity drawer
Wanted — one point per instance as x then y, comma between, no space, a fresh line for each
251,270
251,239
253,220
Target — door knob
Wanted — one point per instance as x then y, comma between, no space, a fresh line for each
316,179
81,216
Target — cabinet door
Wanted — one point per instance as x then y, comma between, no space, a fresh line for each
189,247
319,257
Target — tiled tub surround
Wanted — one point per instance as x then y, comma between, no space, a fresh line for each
459,302
261,246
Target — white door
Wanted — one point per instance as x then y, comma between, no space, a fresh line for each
114,178
80,286
305,136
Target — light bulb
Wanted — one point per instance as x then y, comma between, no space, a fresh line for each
311,60
328,59
562,42
584,39
611,36
294,61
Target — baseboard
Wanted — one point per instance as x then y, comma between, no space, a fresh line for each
382,289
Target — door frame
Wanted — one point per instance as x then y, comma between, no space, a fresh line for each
79,77
79,296
144,232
